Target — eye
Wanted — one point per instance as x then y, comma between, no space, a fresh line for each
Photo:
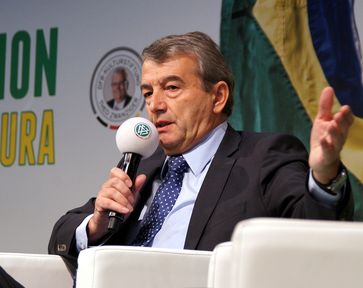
172,88
147,94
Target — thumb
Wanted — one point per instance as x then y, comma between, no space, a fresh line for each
326,104
139,181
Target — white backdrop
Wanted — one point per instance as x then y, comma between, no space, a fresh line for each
33,197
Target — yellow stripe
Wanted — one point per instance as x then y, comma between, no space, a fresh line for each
285,23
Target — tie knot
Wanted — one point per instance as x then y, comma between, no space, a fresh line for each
177,164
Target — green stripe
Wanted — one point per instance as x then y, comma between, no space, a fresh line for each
264,97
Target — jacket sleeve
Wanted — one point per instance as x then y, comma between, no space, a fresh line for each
62,241
284,188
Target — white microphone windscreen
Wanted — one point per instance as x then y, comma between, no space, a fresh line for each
137,135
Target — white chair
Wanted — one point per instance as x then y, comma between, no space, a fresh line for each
219,274
36,270
281,253
139,267
274,253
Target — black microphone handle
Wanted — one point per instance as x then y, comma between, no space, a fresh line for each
129,164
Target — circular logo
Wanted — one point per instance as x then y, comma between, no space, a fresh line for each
115,88
142,130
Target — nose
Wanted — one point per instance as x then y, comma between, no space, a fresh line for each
156,102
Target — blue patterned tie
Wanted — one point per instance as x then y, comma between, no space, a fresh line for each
163,201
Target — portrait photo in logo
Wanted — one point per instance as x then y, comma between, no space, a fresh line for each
115,88
115,91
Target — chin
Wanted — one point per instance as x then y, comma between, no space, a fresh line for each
170,149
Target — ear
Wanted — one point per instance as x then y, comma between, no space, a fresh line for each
221,94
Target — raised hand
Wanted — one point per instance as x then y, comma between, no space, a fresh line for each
328,135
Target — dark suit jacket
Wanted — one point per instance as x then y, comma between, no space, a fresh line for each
251,175
111,102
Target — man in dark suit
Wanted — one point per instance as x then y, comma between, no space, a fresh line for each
120,98
230,175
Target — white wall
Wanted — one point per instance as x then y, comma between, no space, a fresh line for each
32,198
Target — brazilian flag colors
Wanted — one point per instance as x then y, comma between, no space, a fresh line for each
283,53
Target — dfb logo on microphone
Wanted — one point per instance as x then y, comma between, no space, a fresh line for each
142,130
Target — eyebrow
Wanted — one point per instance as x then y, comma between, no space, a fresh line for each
163,81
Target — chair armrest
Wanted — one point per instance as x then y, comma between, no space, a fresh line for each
36,270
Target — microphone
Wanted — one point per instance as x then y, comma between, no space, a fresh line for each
136,138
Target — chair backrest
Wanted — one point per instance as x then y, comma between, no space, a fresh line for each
136,267
36,270
279,253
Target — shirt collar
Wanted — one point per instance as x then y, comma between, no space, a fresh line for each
119,105
198,157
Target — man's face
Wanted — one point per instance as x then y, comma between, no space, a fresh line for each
118,87
177,103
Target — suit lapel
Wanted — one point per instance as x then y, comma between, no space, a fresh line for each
212,187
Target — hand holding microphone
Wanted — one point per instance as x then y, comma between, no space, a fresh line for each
136,139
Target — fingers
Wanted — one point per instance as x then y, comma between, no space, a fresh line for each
121,188
336,125
326,104
139,181
339,126
344,117
118,173
334,138
115,194
110,199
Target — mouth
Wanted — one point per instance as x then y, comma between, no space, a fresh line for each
162,124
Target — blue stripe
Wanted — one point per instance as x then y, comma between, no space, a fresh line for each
336,43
